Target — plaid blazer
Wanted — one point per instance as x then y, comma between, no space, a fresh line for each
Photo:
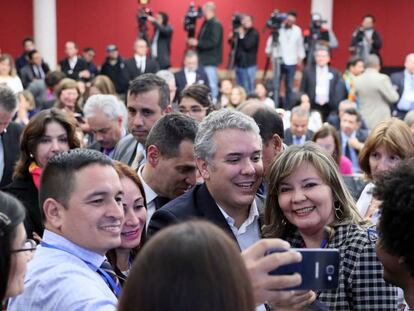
361,283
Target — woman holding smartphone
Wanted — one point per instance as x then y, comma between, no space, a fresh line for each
309,206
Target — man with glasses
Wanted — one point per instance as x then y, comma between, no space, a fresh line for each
196,102
81,198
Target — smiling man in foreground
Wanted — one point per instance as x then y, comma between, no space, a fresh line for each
81,196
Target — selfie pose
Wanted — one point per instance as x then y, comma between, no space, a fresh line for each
309,206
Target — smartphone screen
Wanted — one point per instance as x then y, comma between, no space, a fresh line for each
319,268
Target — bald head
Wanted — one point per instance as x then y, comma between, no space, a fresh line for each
373,62
409,63
209,10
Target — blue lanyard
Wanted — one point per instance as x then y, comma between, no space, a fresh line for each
109,280
324,243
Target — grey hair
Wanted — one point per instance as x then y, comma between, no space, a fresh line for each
223,119
166,75
8,100
110,105
299,112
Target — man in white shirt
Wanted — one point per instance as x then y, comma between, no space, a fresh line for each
140,63
403,81
286,55
73,66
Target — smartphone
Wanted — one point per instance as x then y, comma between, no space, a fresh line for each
319,268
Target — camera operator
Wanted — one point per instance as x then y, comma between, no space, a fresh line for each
161,41
316,36
365,39
246,42
286,55
209,45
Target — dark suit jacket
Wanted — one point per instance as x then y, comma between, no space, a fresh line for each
73,73
196,203
163,45
397,79
288,139
25,190
360,134
27,74
151,66
210,43
181,81
11,140
376,41
246,52
337,89
117,73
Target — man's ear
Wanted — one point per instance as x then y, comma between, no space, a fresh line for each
277,144
153,155
53,212
203,168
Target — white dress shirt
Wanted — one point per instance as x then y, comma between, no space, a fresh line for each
72,62
140,61
323,76
150,196
249,231
190,76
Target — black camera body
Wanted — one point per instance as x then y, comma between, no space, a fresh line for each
190,19
142,18
275,20
236,20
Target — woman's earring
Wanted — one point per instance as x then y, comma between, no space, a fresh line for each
31,155
338,211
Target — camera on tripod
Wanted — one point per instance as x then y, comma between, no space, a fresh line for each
275,20
316,23
142,18
190,19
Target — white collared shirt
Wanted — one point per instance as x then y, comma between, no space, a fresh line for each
72,62
249,231
322,85
154,44
150,196
190,76
140,61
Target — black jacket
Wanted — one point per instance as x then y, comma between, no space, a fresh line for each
210,43
246,53
163,44
118,74
376,45
25,190
181,81
27,74
10,139
151,66
73,73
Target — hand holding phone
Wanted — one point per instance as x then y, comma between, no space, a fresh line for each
319,268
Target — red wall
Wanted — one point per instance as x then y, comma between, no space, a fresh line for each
15,24
99,22
393,21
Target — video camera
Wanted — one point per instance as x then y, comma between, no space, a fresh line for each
316,23
142,18
236,20
275,20
190,19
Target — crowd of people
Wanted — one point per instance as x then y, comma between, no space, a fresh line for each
130,186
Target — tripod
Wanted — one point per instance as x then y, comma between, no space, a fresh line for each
276,65
232,55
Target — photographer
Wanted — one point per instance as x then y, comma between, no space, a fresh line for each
209,45
245,40
161,41
286,54
365,39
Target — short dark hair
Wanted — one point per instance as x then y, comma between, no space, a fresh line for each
8,100
200,93
27,39
58,177
369,16
353,61
395,190
207,263
293,13
169,131
54,77
12,214
269,122
148,82
88,49
164,17
31,53
353,112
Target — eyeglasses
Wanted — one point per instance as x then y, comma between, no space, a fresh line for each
193,110
28,246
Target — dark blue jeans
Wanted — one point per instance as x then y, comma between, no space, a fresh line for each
288,73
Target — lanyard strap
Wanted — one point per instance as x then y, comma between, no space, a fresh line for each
108,279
